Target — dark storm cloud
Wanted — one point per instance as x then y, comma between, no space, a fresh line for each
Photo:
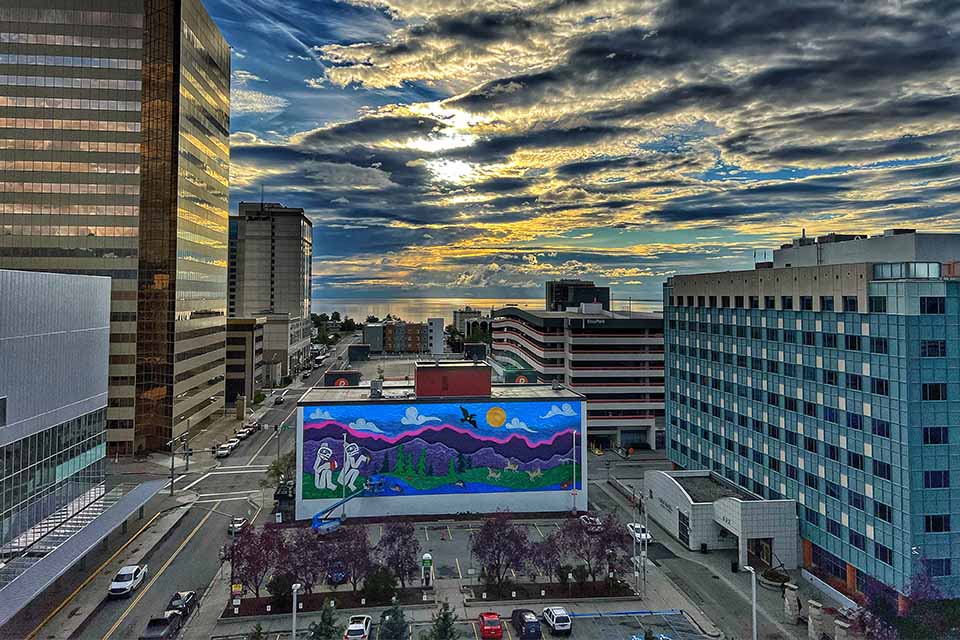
371,129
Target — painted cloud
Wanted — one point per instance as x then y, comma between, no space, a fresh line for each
320,414
362,424
563,410
518,425
413,417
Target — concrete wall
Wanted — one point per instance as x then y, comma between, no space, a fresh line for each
665,499
907,247
752,519
373,336
54,349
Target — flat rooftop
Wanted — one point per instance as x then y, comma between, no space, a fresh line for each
576,313
710,489
394,391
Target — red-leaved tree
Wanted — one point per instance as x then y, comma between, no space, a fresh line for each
597,551
306,558
350,549
255,553
548,554
399,550
498,546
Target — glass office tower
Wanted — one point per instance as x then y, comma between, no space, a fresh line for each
74,189
836,385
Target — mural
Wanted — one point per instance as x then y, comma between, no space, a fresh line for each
424,449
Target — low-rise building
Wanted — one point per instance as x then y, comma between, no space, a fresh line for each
396,336
244,357
615,359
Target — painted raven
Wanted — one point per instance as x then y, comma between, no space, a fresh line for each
469,418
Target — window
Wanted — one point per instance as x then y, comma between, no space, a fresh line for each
855,421
809,338
773,334
810,374
790,404
855,382
939,567
936,524
936,479
756,333
832,451
833,527
933,348
786,303
738,302
933,306
791,472
934,391
850,303
936,435
883,511
855,460
742,450
882,553
878,345
790,437
773,432
832,489
811,516
725,301
851,343
877,304
769,302
856,500
879,387
773,366
789,335
880,428
831,414
810,409
826,303
806,303
712,301
857,540
790,369
758,457
830,377
774,464
829,340
811,480
882,470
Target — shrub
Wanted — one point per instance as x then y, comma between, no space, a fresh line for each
380,586
281,588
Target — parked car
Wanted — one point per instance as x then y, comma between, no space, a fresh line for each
490,625
223,451
165,627
233,443
236,525
244,433
184,602
358,628
592,524
305,376
639,532
558,621
278,400
127,580
526,625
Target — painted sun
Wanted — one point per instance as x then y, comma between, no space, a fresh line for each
496,416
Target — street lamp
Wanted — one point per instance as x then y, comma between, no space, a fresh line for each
296,589
753,580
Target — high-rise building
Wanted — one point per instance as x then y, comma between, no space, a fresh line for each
613,358
271,256
564,294
115,139
245,375
827,377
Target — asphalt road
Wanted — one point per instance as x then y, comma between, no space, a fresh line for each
188,558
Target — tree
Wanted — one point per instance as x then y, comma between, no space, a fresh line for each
307,558
280,587
444,624
399,549
925,598
282,469
372,319
602,550
499,546
461,463
350,549
451,468
547,555
422,463
257,633
454,339
400,466
255,553
393,624
348,324
335,316
327,627
380,586
385,468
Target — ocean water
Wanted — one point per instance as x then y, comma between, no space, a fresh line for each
419,309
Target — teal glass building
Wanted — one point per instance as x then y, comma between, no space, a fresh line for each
830,376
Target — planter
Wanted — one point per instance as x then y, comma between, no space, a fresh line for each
529,592
313,602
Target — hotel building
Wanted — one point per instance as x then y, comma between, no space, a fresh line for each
830,377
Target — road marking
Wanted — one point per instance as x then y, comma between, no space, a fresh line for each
227,493
473,625
264,446
230,473
507,627
459,573
90,578
156,576
513,572
538,531
219,500
449,533
426,533
196,482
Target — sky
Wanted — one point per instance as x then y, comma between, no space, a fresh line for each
476,149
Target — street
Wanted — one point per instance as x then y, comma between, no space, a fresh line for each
188,557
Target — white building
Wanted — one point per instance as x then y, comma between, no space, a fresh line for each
435,335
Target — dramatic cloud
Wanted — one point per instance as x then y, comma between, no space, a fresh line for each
448,148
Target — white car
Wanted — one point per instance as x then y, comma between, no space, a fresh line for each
127,580
358,628
223,451
592,524
244,433
233,443
558,620
639,532
236,525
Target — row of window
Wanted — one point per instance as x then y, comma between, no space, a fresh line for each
69,61
39,102
70,209
61,40
22,144
70,167
70,187
850,304
70,125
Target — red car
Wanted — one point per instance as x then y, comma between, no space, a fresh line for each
490,627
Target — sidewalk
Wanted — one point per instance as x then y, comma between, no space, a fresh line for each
78,606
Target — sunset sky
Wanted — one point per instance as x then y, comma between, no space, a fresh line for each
458,148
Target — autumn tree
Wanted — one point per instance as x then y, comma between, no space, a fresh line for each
306,558
604,549
255,554
548,554
350,549
499,546
399,549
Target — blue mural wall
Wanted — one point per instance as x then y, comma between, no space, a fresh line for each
424,449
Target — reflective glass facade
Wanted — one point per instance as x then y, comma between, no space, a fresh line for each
837,386
70,158
183,246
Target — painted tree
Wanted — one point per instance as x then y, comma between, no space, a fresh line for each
385,467
422,462
499,546
461,463
255,554
399,549
400,466
350,549
451,469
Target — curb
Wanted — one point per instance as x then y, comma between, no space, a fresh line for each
345,612
477,601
